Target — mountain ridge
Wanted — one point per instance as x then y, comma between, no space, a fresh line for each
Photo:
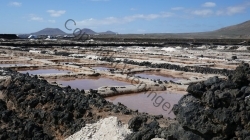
57,31
49,31
241,30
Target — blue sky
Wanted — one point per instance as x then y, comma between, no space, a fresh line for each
122,16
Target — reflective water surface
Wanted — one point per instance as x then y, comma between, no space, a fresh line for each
44,71
91,83
155,103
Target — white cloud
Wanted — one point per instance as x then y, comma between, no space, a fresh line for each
220,12
16,4
204,12
209,4
226,11
235,10
127,19
232,10
177,8
35,18
52,21
55,13
141,16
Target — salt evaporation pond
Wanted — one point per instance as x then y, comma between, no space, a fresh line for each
93,83
44,71
156,103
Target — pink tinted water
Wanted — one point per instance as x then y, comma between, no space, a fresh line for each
157,103
91,83
45,71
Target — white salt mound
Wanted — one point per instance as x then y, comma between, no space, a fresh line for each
168,49
202,47
221,48
105,129
178,48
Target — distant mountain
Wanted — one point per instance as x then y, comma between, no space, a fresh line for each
49,31
87,31
91,32
239,29
108,33
56,31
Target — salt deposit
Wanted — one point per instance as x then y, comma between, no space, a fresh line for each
178,48
242,48
106,129
168,49
202,47
228,47
221,47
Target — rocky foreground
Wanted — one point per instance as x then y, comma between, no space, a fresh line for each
214,109
31,108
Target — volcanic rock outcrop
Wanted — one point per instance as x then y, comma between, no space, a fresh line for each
31,108
214,109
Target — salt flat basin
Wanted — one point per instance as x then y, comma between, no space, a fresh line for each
44,71
100,68
155,77
156,103
94,83
11,65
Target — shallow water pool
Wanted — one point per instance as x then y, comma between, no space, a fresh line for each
154,103
44,71
93,83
